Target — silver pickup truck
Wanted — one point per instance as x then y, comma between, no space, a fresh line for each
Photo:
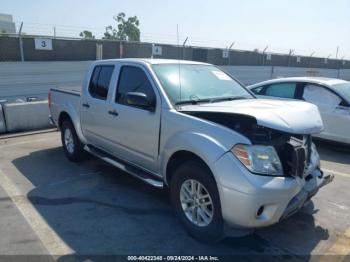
232,162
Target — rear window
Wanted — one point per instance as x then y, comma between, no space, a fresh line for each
343,90
100,80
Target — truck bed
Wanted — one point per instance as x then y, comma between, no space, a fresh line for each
64,100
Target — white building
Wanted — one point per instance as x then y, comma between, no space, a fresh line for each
6,24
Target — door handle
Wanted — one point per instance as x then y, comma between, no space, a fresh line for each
113,112
86,105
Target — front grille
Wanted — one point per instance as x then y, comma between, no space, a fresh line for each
295,156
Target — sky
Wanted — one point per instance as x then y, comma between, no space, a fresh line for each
306,26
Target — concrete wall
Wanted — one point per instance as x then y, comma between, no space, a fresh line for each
249,74
26,116
81,49
2,121
254,74
23,79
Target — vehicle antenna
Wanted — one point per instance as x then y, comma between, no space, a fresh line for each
178,59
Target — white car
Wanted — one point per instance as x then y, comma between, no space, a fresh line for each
331,95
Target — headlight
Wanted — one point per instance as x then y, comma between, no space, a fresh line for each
259,159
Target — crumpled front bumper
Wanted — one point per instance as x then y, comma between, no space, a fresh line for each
314,182
251,201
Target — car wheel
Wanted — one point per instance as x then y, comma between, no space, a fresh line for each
196,201
72,146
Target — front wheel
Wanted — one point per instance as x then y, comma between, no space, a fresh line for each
196,201
72,147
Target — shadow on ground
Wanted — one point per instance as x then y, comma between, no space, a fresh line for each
333,152
98,210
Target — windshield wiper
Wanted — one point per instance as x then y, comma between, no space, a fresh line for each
193,101
227,98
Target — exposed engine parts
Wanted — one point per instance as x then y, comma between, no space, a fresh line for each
293,150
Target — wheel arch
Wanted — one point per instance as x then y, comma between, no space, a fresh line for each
186,146
64,115
180,157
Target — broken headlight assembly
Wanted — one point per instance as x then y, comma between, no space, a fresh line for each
261,160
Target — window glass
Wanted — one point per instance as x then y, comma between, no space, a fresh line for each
133,79
99,84
103,82
94,79
344,90
257,90
196,81
285,90
320,96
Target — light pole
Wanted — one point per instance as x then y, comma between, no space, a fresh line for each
291,52
336,54
228,52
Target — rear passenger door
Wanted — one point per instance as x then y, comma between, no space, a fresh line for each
94,105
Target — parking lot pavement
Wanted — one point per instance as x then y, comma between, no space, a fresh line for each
93,208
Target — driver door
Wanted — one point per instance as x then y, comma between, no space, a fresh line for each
133,132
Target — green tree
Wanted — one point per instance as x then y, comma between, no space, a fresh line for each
127,29
3,33
87,35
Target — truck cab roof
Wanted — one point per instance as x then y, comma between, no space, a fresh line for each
149,61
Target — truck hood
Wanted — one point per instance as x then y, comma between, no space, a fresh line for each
294,117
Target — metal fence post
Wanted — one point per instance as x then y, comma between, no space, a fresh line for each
21,42
272,71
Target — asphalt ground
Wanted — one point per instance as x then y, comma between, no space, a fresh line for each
50,206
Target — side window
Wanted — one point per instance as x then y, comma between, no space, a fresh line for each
285,90
133,79
258,90
320,96
94,79
99,83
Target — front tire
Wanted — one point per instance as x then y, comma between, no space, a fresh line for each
72,146
196,201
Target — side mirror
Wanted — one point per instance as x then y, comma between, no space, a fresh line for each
140,100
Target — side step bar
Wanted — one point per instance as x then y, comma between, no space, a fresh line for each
137,172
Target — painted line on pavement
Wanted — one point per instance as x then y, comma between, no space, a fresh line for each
51,241
340,250
335,172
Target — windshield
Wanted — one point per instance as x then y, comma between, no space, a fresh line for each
343,90
198,82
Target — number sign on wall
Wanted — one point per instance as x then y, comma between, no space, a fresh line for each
43,44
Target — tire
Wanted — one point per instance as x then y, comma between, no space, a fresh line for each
205,230
73,149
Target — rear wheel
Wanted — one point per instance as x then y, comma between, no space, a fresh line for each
72,146
196,201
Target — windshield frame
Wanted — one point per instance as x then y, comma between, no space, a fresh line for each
182,102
